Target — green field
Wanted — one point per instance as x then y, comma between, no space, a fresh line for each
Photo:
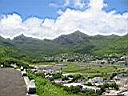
92,70
87,70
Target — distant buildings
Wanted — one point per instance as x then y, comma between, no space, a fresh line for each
84,87
96,81
113,93
122,81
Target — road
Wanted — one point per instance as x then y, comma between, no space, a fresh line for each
11,83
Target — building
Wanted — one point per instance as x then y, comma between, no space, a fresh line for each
72,84
113,93
96,81
84,87
93,88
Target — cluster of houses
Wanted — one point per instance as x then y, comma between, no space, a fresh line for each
92,84
123,60
48,72
122,81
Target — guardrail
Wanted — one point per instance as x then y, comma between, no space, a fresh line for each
30,84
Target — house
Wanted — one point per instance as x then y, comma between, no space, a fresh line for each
59,81
96,81
93,88
113,93
99,61
121,79
45,70
49,69
123,60
125,93
72,84
84,87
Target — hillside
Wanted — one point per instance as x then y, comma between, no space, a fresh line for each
76,42
72,39
33,46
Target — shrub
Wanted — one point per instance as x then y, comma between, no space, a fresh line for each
57,75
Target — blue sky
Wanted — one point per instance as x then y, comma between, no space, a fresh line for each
42,8
51,18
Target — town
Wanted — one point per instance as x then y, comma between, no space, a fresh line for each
86,76
114,85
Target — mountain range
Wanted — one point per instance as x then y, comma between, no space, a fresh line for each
76,42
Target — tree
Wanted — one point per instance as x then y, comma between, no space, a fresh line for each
115,86
57,75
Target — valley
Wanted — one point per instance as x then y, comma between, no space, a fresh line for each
69,63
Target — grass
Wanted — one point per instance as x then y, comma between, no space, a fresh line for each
46,88
91,70
71,67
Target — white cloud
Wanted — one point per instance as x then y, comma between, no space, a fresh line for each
67,2
79,3
97,4
92,21
76,3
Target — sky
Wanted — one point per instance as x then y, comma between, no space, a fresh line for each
52,18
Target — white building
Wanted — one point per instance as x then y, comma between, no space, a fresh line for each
93,88
96,81
84,87
113,93
72,84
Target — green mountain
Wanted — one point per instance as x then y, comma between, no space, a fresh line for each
33,46
76,42
72,39
96,45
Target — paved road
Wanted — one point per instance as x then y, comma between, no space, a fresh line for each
11,83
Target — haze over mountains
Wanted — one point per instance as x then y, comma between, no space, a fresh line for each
76,42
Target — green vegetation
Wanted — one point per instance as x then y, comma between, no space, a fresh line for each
25,50
10,55
92,70
111,45
107,86
77,42
46,88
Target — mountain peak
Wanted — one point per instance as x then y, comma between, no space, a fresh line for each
1,37
73,38
21,36
79,33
